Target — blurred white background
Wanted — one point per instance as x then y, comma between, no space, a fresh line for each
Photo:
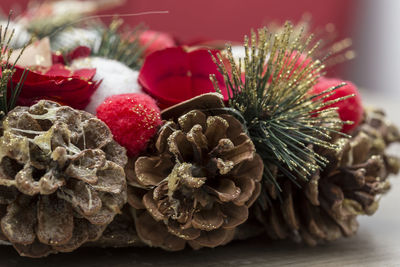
376,36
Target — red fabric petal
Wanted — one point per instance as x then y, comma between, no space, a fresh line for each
57,58
58,70
57,83
79,52
174,75
85,74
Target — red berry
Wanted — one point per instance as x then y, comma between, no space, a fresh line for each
350,109
132,118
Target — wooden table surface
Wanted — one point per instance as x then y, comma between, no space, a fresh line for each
376,244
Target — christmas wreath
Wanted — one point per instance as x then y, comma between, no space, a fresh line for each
116,137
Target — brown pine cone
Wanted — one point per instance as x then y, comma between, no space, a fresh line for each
61,178
326,207
198,183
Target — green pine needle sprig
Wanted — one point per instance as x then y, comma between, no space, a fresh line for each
123,46
282,118
114,43
49,26
9,92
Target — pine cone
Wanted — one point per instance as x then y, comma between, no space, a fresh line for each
326,207
61,178
198,183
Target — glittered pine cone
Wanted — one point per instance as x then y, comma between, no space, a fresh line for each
326,208
61,178
198,183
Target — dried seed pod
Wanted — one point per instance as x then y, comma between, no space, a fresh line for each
61,178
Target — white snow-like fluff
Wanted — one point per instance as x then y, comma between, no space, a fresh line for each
238,51
74,37
116,78
21,34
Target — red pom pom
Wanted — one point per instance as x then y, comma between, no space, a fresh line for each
132,118
350,109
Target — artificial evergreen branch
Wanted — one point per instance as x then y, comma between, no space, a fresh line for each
108,42
282,118
47,27
332,50
9,92
121,46
46,18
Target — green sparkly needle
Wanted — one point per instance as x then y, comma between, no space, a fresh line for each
282,118
9,92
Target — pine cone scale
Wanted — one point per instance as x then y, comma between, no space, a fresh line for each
55,222
34,250
150,171
208,220
225,190
186,234
19,221
151,205
79,237
85,165
246,187
211,238
82,197
288,208
111,179
234,215
153,233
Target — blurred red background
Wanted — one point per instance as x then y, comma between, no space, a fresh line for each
373,26
192,21
224,20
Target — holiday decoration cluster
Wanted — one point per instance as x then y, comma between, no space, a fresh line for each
125,137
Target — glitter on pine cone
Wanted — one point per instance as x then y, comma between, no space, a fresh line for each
132,118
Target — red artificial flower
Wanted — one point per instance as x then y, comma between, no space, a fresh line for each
155,41
174,75
57,83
